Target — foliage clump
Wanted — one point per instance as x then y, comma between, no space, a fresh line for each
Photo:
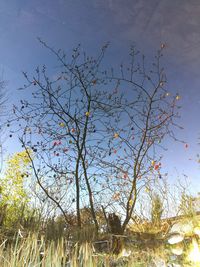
13,189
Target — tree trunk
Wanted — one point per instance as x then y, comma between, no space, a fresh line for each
78,214
116,230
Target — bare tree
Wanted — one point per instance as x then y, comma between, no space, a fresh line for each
97,131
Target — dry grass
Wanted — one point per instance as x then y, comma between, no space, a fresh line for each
34,251
29,252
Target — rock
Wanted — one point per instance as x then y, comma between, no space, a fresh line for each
175,238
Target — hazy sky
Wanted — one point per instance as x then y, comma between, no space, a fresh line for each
145,23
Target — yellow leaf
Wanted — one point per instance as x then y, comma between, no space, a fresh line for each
116,135
153,163
62,124
130,202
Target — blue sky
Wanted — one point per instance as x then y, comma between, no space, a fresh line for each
145,23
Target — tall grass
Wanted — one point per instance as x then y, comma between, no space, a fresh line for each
35,250
31,252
